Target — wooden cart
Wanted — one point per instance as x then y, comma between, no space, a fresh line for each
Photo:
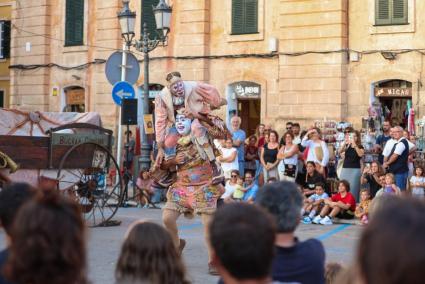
84,167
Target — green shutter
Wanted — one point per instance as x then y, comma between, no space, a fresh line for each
74,23
251,16
6,39
148,17
238,17
382,9
244,16
399,12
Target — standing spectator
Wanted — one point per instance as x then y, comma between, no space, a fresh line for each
341,205
251,154
391,248
296,130
311,179
229,158
268,156
362,209
239,137
382,139
242,238
154,260
288,157
296,261
251,188
288,129
352,151
317,149
128,160
417,183
49,242
259,133
397,162
12,197
370,177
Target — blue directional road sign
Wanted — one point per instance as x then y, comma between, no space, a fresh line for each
122,90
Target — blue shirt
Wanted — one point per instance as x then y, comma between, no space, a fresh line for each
251,193
241,136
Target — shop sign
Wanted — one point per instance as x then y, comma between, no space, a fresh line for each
393,92
75,97
246,89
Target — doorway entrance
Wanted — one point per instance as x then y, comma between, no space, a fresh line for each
75,99
249,111
393,96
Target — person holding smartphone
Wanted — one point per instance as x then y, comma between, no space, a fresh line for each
352,151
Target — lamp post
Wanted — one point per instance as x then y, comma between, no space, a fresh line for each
162,13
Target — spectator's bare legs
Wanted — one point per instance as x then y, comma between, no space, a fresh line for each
206,220
334,211
169,217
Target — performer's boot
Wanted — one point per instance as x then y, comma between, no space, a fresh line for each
218,176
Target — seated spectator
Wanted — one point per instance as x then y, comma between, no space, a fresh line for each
239,190
146,192
48,244
389,186
12,197
230,186
370,177
391,249
242,237
341,205
251,188
228,159
312,178
314,203
296,261
148,255
362,209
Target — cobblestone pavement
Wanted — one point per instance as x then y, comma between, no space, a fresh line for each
104,244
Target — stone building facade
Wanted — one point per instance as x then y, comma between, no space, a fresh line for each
304,61
5,15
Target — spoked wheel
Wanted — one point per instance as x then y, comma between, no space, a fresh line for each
96,187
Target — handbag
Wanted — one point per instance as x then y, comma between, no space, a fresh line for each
339,167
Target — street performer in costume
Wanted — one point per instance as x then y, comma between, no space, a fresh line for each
193,192
196,100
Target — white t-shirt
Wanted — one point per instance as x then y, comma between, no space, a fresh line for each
231,165
417,190
398,149
312,153
229,189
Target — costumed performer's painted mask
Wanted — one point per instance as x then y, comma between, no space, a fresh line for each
183,124
177,90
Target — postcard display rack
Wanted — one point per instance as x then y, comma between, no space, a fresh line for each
420,143
370,131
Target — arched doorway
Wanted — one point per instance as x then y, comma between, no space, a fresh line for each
391,97
243,99
75,99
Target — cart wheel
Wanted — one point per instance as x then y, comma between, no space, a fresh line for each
97,189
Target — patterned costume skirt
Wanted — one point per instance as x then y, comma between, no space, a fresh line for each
193,191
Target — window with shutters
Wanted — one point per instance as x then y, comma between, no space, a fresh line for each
4,39
391,12
244,17
2,98
74,23
148,17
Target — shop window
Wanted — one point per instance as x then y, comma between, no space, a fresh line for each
74,23
75,99
2,98
4,39
391,12
244,17
148,17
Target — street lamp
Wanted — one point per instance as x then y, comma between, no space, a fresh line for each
126,17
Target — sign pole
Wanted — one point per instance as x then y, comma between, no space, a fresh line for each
123,73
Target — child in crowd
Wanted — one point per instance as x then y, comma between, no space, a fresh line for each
389,186
144,188
314,203
239,190
417,183
362,209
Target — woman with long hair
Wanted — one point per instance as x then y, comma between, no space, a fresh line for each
312,178
352,151
318,151
48,242
251,154
268,156
370,177
148,255
288,157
